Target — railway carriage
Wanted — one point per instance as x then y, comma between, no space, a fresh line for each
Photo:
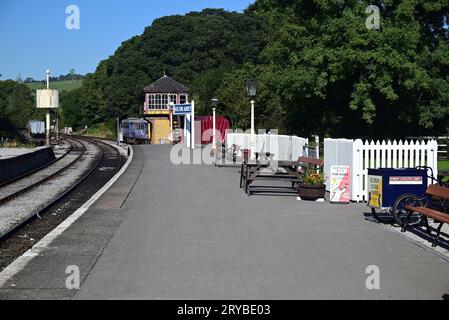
135,131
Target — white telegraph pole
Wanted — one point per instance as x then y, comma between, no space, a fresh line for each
48,111
192,125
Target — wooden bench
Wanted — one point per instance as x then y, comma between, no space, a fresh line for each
440,194
311,162
252,171
314,163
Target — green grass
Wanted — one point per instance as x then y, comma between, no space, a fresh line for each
66,85
105,130
443,165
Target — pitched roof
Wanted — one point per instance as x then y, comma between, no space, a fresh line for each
166,85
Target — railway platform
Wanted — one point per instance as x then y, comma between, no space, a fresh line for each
188,232
7,153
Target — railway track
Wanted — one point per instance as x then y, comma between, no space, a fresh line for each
107,162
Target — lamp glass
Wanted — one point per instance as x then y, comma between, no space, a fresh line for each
252,87
214,101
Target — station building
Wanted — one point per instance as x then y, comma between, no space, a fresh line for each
158,97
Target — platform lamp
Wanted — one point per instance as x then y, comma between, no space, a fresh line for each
251,86
171,106
214,134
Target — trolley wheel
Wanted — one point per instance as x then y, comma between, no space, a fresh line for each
374,213
400,214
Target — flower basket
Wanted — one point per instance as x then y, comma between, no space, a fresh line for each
313,187
311,191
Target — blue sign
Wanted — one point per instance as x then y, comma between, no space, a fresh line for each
182,108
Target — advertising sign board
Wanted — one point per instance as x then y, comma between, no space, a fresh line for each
340,184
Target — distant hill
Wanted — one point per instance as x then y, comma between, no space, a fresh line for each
65,85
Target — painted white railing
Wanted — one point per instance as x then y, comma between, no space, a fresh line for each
283,147
361,156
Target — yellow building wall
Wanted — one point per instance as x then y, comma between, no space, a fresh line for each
161,130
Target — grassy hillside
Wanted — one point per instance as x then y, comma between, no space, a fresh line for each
66,85
104,130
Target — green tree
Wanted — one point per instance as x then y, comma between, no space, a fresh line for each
196,49
72,108
334,76
235,102
320,69
17,104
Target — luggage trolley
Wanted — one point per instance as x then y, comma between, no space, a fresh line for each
390,190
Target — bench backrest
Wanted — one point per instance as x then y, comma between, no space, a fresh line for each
314,161
438,191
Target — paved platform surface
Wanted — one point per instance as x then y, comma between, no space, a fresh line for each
189,232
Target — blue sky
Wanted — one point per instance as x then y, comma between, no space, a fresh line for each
33,35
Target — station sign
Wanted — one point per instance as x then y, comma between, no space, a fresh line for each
180,109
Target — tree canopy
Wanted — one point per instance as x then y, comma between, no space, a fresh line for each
196,49
17,106
320,69
335,76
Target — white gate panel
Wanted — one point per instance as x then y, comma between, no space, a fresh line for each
372,155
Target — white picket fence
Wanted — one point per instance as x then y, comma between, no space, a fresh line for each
284,148
361,156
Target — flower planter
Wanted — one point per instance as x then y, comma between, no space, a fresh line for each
311,191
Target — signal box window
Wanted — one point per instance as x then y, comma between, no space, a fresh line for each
182,99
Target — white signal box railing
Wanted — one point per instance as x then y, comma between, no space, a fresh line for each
361,156
284,148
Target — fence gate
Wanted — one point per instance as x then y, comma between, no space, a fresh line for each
361,156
